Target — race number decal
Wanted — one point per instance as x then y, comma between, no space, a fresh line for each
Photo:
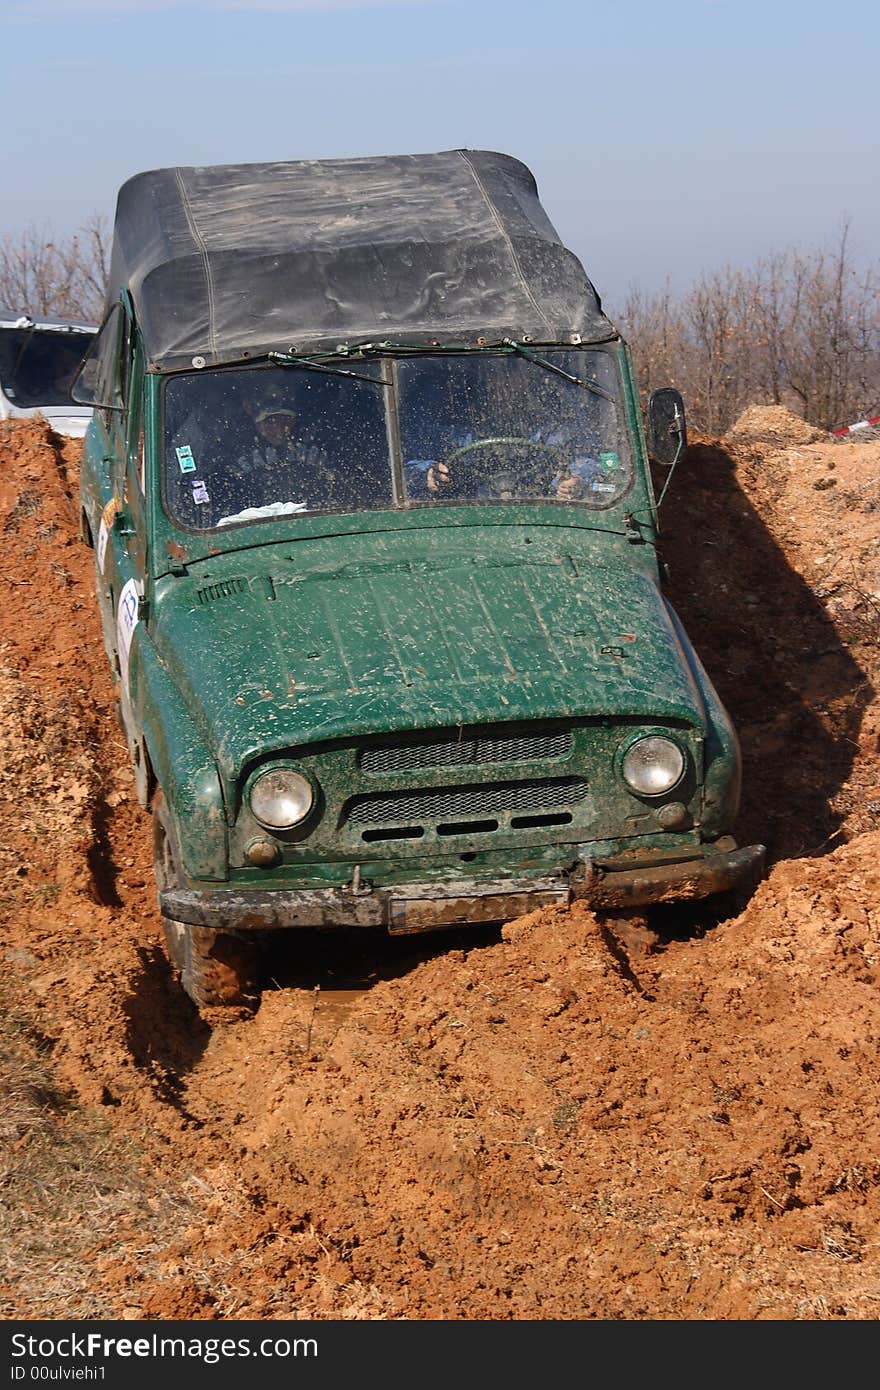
107,516
127,621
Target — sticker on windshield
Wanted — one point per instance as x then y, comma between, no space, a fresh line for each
200,494
185,459
107,516
127,621
609,462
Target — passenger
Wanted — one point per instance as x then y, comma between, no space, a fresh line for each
245,449
278,463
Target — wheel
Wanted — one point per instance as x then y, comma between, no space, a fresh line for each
514,480
216,967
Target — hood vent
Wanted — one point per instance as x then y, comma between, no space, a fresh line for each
224,588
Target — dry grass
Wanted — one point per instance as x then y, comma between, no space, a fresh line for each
71,1191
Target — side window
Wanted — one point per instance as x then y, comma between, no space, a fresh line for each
102,379
126,350
134,387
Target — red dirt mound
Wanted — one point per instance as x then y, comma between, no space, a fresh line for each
559,1120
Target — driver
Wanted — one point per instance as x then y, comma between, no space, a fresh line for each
464,476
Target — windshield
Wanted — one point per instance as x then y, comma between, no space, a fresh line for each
494,427
37,365
252,443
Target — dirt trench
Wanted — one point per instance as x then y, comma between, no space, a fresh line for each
547,1121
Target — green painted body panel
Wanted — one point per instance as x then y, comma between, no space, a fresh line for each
315,641
181,761
270,650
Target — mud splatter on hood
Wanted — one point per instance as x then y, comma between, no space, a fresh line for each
277,658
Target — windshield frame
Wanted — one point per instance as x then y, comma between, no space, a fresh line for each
390,359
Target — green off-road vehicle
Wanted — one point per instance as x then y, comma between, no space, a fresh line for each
375,540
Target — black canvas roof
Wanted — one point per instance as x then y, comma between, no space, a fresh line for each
240,259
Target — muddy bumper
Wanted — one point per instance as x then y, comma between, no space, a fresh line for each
416,907
612,887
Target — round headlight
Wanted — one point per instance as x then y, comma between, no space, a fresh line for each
281,798
653,766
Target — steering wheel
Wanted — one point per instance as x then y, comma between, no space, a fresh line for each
505,483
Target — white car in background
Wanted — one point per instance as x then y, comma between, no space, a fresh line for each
38,360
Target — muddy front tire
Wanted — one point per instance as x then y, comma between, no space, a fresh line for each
215,967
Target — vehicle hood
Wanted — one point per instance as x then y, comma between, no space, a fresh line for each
267,657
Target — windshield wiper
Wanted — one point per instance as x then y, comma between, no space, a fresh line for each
552,367
284,359
507,344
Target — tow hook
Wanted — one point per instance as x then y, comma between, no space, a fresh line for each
358,887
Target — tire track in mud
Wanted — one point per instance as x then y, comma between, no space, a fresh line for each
538,1122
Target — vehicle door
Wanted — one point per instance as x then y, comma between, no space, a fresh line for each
112,487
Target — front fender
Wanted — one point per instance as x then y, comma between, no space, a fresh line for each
183,766
722,777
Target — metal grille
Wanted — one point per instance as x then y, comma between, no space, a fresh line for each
466,803
461,752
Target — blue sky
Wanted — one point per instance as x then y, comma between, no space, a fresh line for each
666,138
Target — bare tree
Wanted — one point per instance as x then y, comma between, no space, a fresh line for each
43,274
774,315
800,329
654,329
719,364
832,360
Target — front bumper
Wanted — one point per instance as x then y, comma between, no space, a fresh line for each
417,907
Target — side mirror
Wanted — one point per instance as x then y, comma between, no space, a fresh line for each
667,431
